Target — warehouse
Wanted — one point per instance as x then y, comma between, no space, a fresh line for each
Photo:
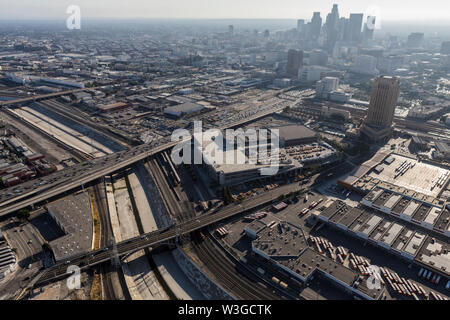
184,108
73,216
296,135
395,237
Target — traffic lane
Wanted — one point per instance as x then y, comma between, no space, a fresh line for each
158,236
129,245
83,176
129,157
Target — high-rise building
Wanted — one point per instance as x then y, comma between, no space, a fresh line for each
294,63
344,29
301,25
332,24
415,40
355,26
445,47
369,28
318,58
315,26
231,29
383,100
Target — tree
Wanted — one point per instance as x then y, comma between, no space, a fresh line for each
227,195
23,214
45,246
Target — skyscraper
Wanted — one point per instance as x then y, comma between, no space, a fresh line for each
332,24
445,47
315,26
369,27
300,25
383,100
415,40
318,57
231,29
294,63
355,26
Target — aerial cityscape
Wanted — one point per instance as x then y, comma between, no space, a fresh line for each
224,159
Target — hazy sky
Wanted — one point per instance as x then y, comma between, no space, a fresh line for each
410,10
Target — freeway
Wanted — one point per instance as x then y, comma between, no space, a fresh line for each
45,96
38,190
161,236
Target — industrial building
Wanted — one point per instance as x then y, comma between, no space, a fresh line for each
391,235
442,150
296,154
184,108
284,245
399,174
295,135
73,216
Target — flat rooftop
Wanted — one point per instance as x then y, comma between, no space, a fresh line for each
349,217
73,215
369,226
391,234
280,240
436,255
380,230
309,261
415,243
443,221
294,132
420,177
402,239
331,208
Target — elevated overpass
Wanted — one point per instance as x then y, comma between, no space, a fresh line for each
38,190
158,237
45,96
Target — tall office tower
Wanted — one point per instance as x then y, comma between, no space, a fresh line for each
369,28
318,58
344,29
315,26
383,100
294,63
445,47
415,40
332,27
301,25
355,26
231,29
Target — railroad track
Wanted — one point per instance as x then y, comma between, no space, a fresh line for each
231,280
224,270
106,234
67,112
103,212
